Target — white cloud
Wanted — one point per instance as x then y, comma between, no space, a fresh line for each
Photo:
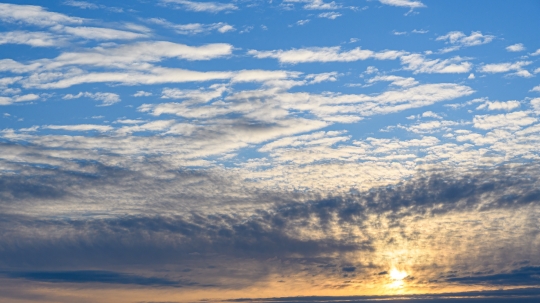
513,121
273,105
34,15
88,5
15,99
316,4
142,93
5,81
459,39
535,103
329,15
129,121
99,33
81,4
107,98
471,76
131,55
80,127
431,126
302,22
325,54
420,31
536,53
522,73
41,39
16,67
516,47
194,28
498,105
503,67
395,80
322,77
210,7
419,64
535,89
430,114
154,75
154,126
196,96
404,3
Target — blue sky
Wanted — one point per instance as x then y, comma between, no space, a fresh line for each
268,141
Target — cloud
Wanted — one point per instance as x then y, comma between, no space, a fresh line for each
524,295
88,5
34,15
210,7
196,96
395,80
108,99
81,4
430,114
536,53
506,67
325,54
528,275
36,39
18,98
316,4
156,75
516,47
98,33
194,28
141,52
154,126
142,93
497,105
296,226
302,22
459,40
329,15
91,276
535,89
80,127
514,120
404,3
322,77
420,64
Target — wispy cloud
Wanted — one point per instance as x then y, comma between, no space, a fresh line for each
195,6
194,28
107,98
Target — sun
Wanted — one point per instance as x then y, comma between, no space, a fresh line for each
397,275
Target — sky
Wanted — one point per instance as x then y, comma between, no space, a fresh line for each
269,151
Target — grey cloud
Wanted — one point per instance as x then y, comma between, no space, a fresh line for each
91,276
120,219
529,275
526,295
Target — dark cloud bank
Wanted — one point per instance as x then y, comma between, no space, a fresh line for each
105,249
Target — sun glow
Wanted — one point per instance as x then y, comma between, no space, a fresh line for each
397,275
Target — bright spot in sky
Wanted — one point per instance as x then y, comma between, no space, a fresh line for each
397,277
396,274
